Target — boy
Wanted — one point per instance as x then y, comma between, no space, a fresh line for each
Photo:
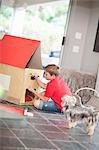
51,100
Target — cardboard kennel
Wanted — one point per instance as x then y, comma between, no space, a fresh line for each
19,58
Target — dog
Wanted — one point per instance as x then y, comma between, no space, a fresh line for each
75,112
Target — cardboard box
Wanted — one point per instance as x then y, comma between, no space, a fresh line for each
20,57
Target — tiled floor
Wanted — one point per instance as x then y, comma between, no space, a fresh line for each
44,131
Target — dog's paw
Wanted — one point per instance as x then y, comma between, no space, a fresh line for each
70,125
90,131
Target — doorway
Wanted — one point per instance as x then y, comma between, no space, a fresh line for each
46,22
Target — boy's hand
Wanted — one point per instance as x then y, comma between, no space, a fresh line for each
35,76
32,90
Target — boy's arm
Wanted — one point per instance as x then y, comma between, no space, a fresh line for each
41,84
39,95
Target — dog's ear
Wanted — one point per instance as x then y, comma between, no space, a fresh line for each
64,105
65,108
78,100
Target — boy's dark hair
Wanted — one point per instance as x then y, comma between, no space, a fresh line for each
52,69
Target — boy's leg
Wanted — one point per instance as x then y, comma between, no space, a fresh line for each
48,106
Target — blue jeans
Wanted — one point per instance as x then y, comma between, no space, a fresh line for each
49,106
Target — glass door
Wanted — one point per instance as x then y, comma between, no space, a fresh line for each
46,22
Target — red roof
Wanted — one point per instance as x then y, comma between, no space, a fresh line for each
17,51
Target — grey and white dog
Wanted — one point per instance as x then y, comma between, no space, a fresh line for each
75,112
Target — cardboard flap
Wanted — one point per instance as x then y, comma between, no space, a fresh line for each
17,51
35,60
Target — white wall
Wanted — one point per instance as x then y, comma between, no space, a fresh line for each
90,59
83,19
